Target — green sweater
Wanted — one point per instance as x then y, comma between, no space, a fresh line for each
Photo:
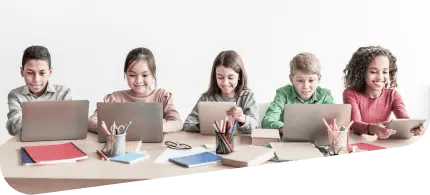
274,116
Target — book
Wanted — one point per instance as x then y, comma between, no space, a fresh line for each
25,158
129,157
55,153
365,147
196,159
262,137
295,150
248,156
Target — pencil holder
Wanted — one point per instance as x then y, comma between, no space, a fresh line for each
118,147
338,141
224,143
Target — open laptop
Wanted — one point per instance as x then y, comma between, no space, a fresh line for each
147,120
303,122
210,112
403,127
54,120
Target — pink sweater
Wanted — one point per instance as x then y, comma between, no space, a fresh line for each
173,121
366,111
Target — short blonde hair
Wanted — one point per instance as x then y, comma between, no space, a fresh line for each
305,62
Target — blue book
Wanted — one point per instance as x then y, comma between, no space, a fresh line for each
196,159
25,158
129,157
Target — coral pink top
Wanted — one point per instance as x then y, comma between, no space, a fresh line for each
366,110
171,115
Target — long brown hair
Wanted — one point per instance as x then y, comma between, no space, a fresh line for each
228,59
355,71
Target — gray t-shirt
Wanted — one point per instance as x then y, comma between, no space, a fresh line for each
244,99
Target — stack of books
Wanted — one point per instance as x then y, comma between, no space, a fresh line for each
262,137
51,154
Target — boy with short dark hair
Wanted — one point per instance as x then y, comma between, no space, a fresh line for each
36,70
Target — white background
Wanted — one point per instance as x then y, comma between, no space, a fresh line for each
89,40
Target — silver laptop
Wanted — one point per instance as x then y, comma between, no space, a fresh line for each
54,120
403,127
303,122
147,120
209,112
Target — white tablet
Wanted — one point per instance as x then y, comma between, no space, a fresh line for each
210,112
403,127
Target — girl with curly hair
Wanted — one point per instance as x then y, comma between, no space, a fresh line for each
370,82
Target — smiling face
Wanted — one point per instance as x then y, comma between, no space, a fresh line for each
140,78
227,80
377,74
36,74
305,83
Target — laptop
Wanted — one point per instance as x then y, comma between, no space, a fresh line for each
403,127
147,120
54,120
209,112
303,122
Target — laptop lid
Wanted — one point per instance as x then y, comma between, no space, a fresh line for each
303,122
147,120
210,112
54,120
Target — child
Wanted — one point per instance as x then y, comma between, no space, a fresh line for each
228,84
304,76
36,70
370,82
140,71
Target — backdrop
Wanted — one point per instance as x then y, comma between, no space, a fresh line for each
89,40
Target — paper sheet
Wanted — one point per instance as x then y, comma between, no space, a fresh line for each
172,153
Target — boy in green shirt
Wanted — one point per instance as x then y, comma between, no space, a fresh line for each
305,77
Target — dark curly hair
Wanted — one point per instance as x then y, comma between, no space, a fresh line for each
355,71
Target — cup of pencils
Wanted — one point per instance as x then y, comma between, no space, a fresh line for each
224,131
338,137
115,144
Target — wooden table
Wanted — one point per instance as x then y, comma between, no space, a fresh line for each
95,172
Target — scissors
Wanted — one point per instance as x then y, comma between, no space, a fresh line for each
119,131
177,145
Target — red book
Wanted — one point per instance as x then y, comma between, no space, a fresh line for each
56,153
366,147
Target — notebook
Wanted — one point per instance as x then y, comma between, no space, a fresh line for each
249,156
25,158
129,157
295,150
196,159
55,153
262,137
366,147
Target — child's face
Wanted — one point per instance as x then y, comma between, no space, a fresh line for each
36,74
139,78
377,73
305,83
227,80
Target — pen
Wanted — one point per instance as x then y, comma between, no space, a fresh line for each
138,146
126,128
349,125
326,124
